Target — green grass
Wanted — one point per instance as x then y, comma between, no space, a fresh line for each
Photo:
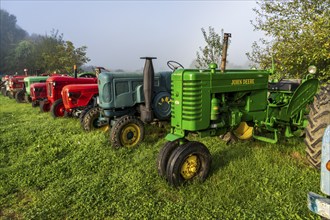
51,169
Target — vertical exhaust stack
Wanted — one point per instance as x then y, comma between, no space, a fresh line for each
224,51
75,71
148,84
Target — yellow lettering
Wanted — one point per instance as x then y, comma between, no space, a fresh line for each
236,82
242,81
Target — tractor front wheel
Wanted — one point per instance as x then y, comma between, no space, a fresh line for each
19,96
128,131
164,155
34,103
318,120
44,106
190,161
57,109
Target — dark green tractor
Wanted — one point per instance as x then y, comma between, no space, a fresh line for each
128,101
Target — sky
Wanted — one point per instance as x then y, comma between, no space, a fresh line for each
118,33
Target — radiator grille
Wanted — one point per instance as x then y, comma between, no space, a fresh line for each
192,100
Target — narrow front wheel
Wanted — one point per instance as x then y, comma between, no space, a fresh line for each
190,161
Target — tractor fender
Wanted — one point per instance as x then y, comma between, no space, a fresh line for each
302,96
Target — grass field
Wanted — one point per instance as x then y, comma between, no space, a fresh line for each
51,169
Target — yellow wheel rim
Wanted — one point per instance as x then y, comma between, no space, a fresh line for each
130,135
244,131
190,167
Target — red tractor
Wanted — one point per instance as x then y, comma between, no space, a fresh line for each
78,97
15,84
54,86
38,93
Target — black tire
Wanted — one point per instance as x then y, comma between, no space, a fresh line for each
128,131
318,120
91,118
57,109
190,161
82,115
44,106
164,155
19,96
34,104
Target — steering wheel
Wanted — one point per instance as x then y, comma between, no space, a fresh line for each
173,65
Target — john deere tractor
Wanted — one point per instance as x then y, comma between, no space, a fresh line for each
214,101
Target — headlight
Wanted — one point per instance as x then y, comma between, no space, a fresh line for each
312,69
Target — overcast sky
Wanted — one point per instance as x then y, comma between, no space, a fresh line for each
118,33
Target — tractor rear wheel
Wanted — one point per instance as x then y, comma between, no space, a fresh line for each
318,119
19,96
164,155
128,131
57,109
190,161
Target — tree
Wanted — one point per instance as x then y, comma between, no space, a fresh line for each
298,33
10,35
55,54
211,53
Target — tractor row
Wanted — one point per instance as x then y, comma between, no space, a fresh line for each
205,102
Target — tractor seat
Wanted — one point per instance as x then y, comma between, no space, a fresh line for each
285,85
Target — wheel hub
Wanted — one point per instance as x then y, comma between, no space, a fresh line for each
190,167
130,135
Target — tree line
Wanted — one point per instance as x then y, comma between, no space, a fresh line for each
297,36
37,53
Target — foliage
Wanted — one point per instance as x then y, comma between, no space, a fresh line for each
10,35
36,52
59,55
51,169
297,36
212,51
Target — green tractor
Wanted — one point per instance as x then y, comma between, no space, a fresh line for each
213,102
23,95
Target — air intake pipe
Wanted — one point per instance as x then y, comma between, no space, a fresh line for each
224,52
148,85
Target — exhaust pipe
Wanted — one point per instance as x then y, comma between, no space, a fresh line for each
75,71
148,85
224,52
